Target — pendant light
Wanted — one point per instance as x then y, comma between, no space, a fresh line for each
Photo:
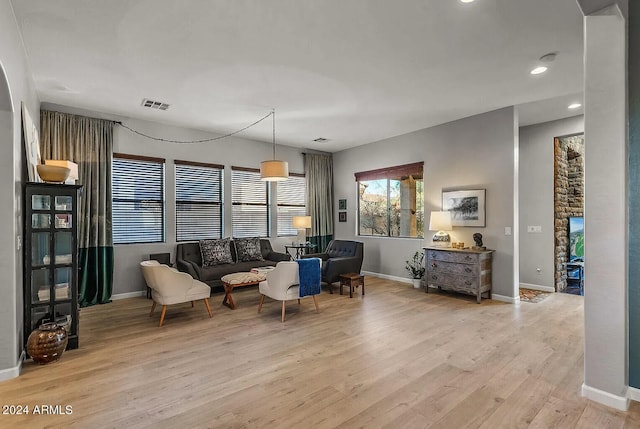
274,170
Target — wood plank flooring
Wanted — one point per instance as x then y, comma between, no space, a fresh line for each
396,358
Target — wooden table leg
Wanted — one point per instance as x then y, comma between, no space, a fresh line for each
228,299
362,283
351,287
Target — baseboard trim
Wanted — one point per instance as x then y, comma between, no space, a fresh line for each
633,394
13,372
609,399
388,277
537,287
128,295
510,299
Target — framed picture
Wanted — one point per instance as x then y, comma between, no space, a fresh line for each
342,204
467,207
31,145
342,216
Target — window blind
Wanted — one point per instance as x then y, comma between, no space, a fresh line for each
250,203
291,202
199,200
137,199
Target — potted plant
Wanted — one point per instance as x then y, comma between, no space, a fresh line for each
415,267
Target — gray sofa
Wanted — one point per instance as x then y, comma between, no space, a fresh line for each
340,257
189,260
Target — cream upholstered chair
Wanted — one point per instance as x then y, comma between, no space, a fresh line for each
281,284
169,286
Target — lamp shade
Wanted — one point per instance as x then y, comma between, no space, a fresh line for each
440,221
300,222
274,170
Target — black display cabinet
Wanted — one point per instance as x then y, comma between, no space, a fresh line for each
51,257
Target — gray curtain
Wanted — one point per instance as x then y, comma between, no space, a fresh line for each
89,143
318,171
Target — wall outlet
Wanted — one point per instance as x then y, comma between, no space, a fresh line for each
534,228
507,230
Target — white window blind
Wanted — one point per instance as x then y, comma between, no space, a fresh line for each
291,202
199,194
250,203
137,199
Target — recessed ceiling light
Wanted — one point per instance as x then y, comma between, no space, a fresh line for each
539,69
574,105
466,1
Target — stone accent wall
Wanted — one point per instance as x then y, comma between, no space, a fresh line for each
568,198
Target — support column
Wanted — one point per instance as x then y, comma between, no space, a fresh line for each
605,301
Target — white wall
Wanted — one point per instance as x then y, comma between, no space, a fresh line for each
537,197
14,63
232,151
475,152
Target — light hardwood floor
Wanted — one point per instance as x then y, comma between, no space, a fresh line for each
397,358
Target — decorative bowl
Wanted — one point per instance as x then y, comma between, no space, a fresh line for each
53,173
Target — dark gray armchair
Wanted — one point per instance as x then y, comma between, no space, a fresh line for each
340,257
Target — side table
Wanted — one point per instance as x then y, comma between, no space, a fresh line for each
300,249
352,281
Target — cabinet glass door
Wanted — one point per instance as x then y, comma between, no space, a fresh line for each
40,249
40,286
63,280
40,202
40,220
64,203
63,248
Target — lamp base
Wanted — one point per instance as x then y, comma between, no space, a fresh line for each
441,239
302,236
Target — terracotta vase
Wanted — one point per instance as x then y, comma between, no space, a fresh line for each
46,343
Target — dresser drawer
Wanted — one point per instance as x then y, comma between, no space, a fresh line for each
457,257
437,266
453,281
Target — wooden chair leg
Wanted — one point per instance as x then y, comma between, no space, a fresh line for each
191,304
153,307
206,303
283,306
298,301
164,310
315,301
261,301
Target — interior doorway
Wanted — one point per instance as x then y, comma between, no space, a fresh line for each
569,213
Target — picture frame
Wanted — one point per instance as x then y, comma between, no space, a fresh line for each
342,204
31,145
342,216
467,207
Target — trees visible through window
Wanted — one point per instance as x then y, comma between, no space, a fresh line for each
391,201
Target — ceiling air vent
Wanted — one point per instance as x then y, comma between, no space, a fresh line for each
154,104
320,140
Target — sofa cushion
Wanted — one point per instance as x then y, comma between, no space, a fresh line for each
248,249
216,252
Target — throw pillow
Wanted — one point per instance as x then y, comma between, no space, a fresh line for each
248,249
216,252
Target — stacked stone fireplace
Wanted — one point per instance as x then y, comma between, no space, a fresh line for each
568,198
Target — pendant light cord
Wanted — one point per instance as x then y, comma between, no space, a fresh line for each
273,112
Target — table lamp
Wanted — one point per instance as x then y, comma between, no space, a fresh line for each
301,223
441,222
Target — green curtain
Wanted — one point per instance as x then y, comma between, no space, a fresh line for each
318,172
89,143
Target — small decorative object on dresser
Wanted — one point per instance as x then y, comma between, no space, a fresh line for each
466,271
477,238
415,267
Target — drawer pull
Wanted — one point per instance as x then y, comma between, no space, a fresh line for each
467,269
433,265
468,258
434,277
468,283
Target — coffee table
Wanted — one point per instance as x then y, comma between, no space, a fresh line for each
232,281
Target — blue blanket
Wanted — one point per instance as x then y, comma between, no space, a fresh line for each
309,276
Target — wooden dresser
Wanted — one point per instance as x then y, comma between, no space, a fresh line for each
466,271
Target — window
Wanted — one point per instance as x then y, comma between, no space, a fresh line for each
391,201
198,200
138,199
291,202
250,203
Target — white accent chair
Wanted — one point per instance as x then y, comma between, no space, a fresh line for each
169,286
281,284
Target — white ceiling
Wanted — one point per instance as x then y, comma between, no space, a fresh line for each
352,71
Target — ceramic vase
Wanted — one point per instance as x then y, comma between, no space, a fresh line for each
46,343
